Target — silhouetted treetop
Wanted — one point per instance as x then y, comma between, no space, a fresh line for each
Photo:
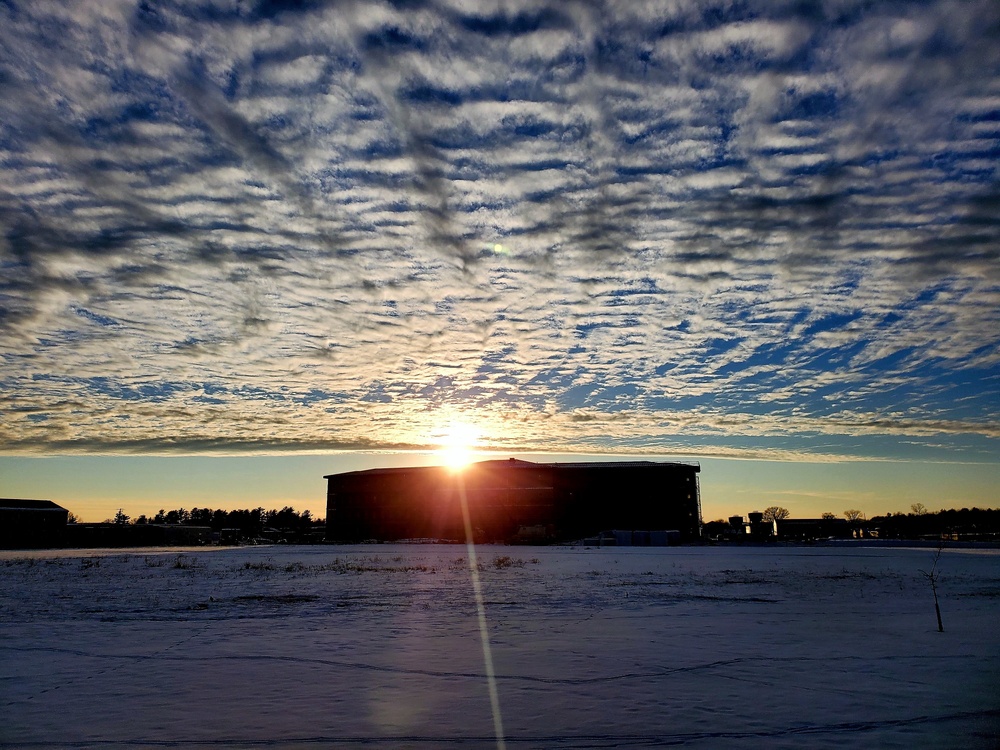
776,513
975,522
250,522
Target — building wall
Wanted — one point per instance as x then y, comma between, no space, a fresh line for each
30,523
506,498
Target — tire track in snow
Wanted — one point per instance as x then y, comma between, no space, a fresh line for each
652,739
107,670
366,666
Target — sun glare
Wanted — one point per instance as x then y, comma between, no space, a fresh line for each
457,444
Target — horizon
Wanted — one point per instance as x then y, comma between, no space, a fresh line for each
228,483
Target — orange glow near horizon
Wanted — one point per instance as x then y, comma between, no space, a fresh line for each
458,444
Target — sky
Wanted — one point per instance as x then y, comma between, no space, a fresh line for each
240,241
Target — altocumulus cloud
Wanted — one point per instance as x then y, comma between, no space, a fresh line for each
755,228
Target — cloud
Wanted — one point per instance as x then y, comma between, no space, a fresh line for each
730,229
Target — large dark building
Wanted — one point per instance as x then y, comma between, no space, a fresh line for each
514,500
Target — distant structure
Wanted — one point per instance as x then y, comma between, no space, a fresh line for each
805,529
516,501
136,535
761,528
31,523
755,528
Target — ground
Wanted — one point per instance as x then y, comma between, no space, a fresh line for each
379,646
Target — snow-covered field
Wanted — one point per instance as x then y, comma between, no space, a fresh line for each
379,646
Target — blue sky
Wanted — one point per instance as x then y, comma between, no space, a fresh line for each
764,231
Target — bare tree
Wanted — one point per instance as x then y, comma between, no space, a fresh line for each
829,516
932,576
853,515
919,509
775,513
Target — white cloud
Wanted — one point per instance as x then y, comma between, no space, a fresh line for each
731,233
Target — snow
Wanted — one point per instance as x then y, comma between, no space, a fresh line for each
379,646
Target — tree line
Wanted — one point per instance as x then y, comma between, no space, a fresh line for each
976,522
919,522
250,522
777,513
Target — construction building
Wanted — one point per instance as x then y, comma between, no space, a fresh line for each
514,501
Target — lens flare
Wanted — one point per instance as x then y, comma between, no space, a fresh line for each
458,444
484,631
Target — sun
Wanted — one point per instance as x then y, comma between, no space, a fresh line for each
458,443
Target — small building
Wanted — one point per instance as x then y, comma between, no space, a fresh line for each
761,528
31,523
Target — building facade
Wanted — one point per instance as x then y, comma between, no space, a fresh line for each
31,523
513,500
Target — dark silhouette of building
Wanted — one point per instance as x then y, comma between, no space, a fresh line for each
760,528
135,535
805,529
31,523
514,500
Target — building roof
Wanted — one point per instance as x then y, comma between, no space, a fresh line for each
7,503
521,464
626,464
